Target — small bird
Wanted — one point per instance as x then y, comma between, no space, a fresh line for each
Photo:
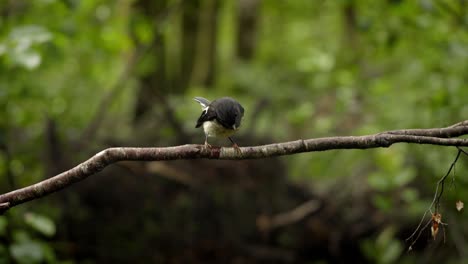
220,118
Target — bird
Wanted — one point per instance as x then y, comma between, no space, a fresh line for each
220,118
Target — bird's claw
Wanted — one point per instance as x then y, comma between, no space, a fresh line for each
237,148
208,146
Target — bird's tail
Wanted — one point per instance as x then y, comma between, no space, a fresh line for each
203,101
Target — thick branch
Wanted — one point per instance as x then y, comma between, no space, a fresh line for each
437,136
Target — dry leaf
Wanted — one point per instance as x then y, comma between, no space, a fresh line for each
459,205
436,220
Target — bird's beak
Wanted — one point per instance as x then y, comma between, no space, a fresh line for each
234,126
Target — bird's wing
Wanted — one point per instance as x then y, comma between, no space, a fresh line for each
207,115
203,102
225,108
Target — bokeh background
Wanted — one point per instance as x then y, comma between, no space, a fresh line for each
80,76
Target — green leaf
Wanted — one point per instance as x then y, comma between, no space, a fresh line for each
392,252
389,247
409,195
379,181
25,36
404,177
40,223
383,202
20,45
3,48
30,59
27,252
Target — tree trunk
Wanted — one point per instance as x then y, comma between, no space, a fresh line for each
247,21
155,79
190,26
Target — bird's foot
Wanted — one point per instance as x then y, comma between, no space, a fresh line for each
237,148
208,146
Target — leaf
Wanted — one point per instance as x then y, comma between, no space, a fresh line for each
27,252
403,177
21,41
392,252
434,230
379,181
436,221
3,49
41,224
30,60
459,205
25,36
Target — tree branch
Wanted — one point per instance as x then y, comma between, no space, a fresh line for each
266,223
435,136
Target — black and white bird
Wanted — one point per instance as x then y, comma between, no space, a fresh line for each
220,118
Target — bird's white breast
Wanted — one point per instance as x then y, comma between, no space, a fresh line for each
215,129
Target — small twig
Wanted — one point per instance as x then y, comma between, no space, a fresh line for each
441,182
418,231
462,150
435,202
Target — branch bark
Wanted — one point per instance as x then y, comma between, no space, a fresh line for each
434,136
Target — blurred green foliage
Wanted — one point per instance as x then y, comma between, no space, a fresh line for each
319,68
385,248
